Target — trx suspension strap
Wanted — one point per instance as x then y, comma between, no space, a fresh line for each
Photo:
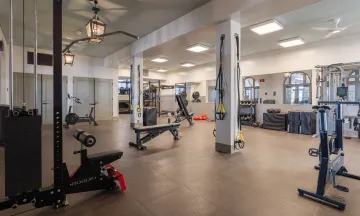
131,95
138,105
220,110
239,141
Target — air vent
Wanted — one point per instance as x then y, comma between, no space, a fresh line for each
145,73
43,59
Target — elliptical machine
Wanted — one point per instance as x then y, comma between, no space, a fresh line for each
331,157
72,118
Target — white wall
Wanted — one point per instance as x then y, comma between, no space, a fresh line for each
4,68
125,72
274,83
84,66
302,58
338,50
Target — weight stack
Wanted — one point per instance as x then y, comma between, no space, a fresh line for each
150,116
294,122
22,154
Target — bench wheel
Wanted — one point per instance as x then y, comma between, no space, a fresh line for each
141,147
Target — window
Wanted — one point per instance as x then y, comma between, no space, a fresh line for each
354,86
252,89
297,89
124,86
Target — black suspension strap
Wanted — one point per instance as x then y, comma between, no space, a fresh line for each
131,95
220,109
138,105
239,141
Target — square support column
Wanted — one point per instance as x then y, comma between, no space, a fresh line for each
136,76
227,129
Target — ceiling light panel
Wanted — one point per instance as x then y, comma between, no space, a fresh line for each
159,59
187,64
292,42
267,27
198,48
161,70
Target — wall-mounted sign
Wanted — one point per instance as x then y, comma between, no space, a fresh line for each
262,80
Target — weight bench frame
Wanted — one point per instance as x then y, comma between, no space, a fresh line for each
184,112
152,132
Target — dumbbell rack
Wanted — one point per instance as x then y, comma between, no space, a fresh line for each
247,112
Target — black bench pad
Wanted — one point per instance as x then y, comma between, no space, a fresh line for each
161,126
108,154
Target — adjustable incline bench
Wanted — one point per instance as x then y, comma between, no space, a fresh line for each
182,112
152,132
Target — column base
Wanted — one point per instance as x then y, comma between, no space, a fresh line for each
225,148
132,125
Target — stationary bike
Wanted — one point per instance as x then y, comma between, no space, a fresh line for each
72,118
331,156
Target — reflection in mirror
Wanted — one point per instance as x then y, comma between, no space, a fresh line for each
252,89
354,86
299,91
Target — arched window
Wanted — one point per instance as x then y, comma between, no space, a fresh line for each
297,88
252,90
354,86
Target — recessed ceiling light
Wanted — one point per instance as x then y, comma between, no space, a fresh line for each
296,41
198,48
267,27
161,70
159,59
187,64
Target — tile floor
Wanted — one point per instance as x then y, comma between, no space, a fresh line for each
188,177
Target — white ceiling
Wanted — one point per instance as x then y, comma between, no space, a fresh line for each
139,17
296,23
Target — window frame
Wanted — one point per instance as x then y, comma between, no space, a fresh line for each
303,84
252,88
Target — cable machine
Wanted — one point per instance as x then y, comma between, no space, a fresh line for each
24,149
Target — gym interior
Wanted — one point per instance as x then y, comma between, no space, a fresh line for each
182,107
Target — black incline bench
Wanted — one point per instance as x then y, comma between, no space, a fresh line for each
182,112
152,132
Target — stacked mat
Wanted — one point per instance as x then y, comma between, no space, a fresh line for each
275,121
300,122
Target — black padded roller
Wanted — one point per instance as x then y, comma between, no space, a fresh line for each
85,138
77,133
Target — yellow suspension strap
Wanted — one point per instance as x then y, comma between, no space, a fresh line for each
220,110
239,141
138,105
